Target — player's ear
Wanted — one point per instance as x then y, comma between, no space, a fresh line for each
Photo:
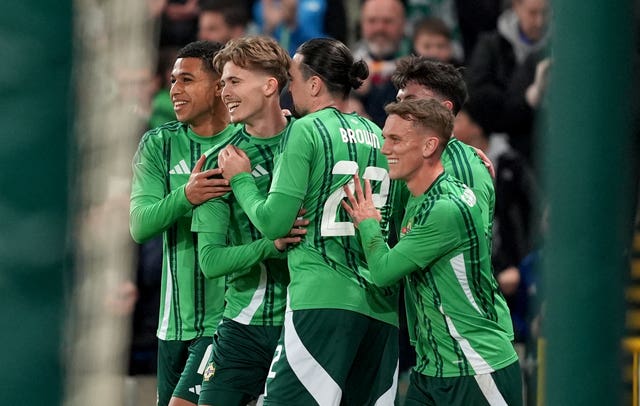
271,86
315,84
430,146
448,104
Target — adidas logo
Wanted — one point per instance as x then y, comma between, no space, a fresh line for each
180,169
195,389
259,171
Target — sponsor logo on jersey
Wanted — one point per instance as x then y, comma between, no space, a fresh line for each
209,372
180,169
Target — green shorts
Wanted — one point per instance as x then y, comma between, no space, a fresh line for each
239,363
500,388
333,357
181,365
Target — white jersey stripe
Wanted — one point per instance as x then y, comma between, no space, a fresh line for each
248,312
479,365
168,296
457,263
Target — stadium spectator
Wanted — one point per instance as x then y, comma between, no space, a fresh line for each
222,20
522,30
293,22
178,22
382,30
432,39
442,10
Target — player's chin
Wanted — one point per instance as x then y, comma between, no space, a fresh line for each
394,174
235,117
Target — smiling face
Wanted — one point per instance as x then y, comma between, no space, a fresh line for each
243,92
193,91
403,148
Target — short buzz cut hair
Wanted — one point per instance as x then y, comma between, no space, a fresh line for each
441,78
257,53
426,114
204,50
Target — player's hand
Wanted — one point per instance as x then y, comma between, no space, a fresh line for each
360,206
206,185
486,161
295,234
233,161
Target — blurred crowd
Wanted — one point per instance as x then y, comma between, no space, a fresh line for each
502,48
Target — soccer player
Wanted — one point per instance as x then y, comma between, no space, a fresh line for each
465,356
254,72
421,78
340,335
167,184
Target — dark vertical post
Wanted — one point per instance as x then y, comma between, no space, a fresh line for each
35,114
587,160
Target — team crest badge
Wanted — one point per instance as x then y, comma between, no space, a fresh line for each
468,197
209,371
406,228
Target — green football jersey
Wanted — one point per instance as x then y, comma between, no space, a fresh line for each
449,282
461,161
190,305
256,272
320,154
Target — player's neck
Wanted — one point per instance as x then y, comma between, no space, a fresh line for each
424,178
268,123
211,125
325,101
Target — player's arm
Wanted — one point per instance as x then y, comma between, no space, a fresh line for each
274,214
413,252
211,221
152,210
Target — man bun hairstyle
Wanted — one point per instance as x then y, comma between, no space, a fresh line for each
333,62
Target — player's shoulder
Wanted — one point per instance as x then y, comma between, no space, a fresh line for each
449,193
165,131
